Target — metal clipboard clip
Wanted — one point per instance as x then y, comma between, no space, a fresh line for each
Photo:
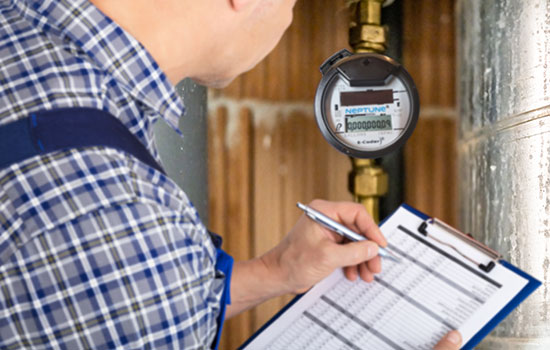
493,254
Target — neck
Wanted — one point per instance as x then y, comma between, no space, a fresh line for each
169,31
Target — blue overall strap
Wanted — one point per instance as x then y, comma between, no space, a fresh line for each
224,263
61,129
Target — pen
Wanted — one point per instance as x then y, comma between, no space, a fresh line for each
340,229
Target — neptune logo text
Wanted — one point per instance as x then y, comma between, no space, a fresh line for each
363,110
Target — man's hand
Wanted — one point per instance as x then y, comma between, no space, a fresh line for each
451,341
311,252
308,254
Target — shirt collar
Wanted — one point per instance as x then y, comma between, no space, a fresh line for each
113,50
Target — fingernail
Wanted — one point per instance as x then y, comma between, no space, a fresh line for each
453,337
372,250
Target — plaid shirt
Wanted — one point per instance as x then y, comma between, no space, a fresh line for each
97,250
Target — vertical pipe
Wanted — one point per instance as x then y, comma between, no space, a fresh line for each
392,16
504,147
368,181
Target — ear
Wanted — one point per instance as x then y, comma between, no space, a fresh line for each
239,5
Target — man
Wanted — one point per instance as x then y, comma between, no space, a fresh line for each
98,248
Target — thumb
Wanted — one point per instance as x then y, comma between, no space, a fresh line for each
353,253
451,341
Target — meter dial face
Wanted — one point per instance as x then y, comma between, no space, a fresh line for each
366,105
367,118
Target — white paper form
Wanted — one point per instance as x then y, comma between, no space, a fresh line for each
411,304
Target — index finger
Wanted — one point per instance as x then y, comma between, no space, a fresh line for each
354,216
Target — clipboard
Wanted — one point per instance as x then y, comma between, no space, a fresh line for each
462,249
496,258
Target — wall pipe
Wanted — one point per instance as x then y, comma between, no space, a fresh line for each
504,148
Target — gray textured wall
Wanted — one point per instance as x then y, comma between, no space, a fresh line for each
185,159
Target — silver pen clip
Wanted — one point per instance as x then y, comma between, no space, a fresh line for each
342,230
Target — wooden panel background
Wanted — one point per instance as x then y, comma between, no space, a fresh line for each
266,153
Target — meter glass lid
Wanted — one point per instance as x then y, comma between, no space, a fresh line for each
366,105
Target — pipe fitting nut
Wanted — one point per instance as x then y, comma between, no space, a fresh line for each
368,36
369,182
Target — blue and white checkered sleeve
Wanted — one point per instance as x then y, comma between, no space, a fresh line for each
129,276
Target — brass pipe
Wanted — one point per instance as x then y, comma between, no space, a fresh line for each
368,181
367,34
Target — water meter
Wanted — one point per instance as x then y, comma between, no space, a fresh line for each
366,105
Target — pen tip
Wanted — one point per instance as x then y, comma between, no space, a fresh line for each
395,258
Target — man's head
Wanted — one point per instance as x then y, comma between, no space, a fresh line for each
211,41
